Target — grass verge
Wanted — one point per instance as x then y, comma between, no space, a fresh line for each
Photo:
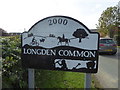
59,79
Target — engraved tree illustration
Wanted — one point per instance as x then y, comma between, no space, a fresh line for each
80,33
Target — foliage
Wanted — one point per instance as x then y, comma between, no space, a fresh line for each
108,22
117,38
13,75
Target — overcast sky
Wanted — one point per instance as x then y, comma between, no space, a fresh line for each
20,15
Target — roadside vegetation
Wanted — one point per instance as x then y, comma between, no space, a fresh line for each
109,23
13,76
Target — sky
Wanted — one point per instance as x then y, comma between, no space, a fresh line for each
20,15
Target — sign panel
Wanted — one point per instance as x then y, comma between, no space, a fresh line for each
60,43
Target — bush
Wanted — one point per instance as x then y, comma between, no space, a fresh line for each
13,75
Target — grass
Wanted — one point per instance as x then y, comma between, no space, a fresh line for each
59,79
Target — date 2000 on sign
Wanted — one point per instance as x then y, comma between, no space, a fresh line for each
58,21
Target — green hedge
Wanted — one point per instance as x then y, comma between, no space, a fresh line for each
13,75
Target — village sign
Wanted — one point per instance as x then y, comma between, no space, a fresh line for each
60,43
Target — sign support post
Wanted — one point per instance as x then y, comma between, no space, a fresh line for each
31,79
87,81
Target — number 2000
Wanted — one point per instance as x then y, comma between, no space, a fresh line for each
58,21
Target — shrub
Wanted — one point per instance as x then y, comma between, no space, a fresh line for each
13,75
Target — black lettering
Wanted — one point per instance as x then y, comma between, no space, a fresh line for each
54,21
60,21
65,21
50,22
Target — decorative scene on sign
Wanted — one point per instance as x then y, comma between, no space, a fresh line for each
61,40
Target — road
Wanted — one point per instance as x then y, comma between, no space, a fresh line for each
108,70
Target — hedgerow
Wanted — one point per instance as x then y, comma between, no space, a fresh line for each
13,75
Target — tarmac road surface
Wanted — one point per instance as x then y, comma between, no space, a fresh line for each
108,70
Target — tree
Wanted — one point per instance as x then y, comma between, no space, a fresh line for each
108,22
80,33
